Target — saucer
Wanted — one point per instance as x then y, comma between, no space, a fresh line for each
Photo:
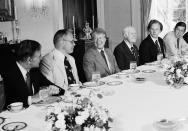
114,83
2,120
93,84
149,71
16,111
14,126
168,125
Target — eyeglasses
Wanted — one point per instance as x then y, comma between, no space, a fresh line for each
71,41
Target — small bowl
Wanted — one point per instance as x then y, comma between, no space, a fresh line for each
16,106
74,86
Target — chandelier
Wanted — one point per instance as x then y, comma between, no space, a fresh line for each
38,8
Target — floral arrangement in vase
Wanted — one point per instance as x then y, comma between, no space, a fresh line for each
177,74
83,116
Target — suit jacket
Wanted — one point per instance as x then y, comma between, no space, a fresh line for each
52,66
148,50
16,89
93,61
124,55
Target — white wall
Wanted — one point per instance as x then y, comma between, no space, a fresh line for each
41,29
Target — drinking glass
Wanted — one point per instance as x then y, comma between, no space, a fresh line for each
43,93
159,56
133,65
96,76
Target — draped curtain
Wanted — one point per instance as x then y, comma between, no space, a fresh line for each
145,10
82,10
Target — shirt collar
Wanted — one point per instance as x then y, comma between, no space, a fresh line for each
154,39
59,54
100,49
22,69
128,44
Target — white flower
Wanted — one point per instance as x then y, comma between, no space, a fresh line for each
60,124
186,80
61,116
184,66
79,120
172,69
178,72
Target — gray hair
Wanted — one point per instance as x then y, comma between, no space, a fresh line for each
126,31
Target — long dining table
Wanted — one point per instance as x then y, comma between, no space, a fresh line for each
134,105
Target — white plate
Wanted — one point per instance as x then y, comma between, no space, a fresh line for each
149,71
16,111
93,84
48,100
130,71
166,125
14,126
114,83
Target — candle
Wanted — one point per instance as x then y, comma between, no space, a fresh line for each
15,13
73,22
93,22
9,6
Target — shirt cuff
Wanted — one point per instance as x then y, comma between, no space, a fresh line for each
29,100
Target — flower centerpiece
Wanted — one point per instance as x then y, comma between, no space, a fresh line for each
83,116
177,74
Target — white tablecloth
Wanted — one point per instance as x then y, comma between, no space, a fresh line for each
135,106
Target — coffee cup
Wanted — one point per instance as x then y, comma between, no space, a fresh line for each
74,86
16,106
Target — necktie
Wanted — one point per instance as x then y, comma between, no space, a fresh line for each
29,85
102,54
68,69
133,52
178,43
158,47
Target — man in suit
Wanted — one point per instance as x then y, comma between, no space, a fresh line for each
22,80
152,45
126,51
58,66
175,44
98,58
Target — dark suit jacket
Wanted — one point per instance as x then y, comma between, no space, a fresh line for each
15,87
93,61
124,55
148,50
185,37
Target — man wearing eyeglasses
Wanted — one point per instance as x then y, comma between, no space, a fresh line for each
175,44
58,66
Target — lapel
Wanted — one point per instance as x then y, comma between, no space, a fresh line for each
100,60
127,50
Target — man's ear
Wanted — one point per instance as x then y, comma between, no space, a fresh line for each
28,60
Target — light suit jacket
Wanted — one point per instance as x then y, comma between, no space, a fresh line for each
94,62
52,66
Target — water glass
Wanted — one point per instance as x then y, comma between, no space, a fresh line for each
96,76
133,65
43,93
159,56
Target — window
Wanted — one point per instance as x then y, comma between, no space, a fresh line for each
169,12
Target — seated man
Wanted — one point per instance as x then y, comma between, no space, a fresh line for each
175,44
58,66
152,45
99,59
22,80
126,51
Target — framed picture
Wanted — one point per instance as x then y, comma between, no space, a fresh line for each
7,10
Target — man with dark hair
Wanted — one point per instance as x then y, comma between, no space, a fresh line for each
58,66
98,58
175,44
152,46
22,80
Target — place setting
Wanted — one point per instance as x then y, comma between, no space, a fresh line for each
15,107
14,126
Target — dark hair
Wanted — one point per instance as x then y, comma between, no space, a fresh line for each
98,31
60,33
180,24
26,49
154,22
